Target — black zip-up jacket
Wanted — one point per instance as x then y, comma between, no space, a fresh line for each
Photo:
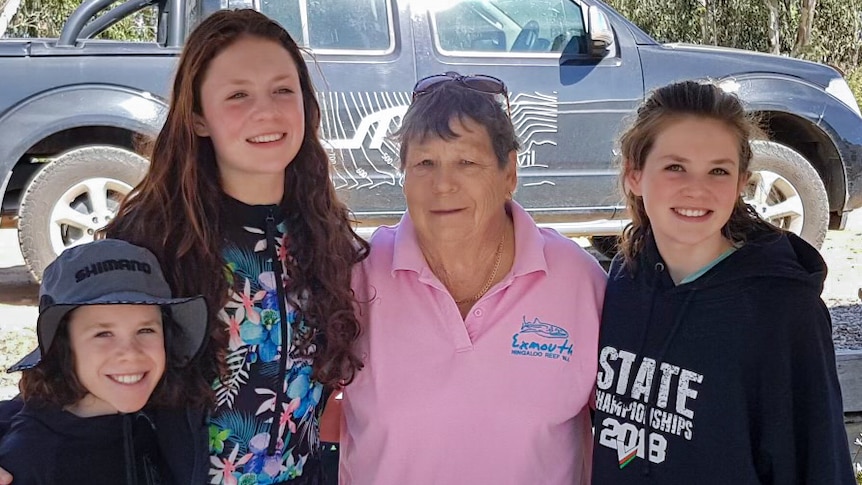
181,438
183,442
729,379
50,446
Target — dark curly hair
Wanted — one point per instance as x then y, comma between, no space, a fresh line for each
53,383
665,105
181,194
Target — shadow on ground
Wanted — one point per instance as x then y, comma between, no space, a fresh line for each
18,286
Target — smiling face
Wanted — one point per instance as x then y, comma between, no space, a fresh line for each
455,189
252,109
119,356
690,182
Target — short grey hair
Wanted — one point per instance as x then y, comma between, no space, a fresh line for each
431,112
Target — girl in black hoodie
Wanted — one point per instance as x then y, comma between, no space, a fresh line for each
716,363
113,345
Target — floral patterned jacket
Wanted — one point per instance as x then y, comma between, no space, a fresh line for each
264,429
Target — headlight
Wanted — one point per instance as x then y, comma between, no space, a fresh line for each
838,87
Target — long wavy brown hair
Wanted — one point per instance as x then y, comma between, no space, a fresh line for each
175,211
665,105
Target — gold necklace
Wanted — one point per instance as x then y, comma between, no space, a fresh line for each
490,278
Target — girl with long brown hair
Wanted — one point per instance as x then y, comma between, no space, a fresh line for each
238,206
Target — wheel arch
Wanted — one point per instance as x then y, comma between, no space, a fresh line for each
815,146
77,116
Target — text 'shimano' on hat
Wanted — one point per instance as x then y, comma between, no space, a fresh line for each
113,272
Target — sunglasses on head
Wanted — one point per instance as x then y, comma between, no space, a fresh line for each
476,82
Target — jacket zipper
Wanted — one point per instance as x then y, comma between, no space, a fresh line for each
285,334
128,450
201,456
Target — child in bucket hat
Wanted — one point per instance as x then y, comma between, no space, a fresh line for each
112,341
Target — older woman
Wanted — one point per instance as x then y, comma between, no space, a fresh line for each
479,329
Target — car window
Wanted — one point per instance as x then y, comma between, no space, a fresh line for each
288,14
518,26
350,25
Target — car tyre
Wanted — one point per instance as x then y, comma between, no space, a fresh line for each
71,198
787,191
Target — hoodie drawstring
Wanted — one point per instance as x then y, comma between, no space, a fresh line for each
659,358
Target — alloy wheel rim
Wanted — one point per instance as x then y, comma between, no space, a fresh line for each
776,200
83,209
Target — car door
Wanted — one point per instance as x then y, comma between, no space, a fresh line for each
361,62
567,109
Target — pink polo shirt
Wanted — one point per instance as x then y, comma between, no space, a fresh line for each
501,397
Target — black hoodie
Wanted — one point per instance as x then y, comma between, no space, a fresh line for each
181,435
47,446
729,379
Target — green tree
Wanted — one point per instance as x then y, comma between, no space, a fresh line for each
45,19
827,31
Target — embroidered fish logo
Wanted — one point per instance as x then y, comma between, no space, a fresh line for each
543,329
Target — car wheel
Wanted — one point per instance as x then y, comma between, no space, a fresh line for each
787,191
75,195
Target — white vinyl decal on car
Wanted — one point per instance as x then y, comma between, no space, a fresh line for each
357,128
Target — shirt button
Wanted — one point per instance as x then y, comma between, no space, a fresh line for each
478,312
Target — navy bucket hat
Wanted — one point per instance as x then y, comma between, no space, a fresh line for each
113,272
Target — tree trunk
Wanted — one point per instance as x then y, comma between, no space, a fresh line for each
709,31
774,26
704,22
8,8
803,32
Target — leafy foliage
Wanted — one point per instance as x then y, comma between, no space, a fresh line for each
242,428
45,19
854,78
836,37
227,389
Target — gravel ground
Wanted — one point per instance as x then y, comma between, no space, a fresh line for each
842,251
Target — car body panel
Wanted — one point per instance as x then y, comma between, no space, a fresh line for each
567,108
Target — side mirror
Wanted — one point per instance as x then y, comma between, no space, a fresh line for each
601,34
